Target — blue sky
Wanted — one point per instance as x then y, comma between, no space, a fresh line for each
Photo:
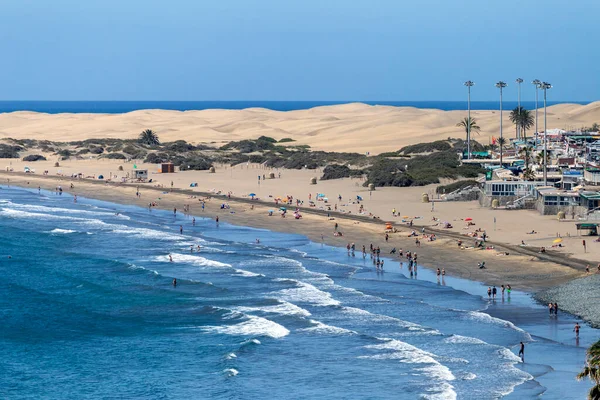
296,49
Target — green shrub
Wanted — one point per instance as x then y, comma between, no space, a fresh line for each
336,171
116,156
157,158
195,163
438,145
34,157
286,140
8,151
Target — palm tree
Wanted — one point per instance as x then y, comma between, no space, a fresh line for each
149,137
523,119
465,124
501,143
525,152
592,370
540,157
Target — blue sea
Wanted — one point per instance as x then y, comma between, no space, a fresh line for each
89,311
117,107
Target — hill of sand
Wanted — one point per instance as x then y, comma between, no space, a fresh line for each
348,127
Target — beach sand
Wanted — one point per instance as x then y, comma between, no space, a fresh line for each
352,127
522,268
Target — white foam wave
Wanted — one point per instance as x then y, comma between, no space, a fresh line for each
458,339
11,213
283,308
366,315
253,326
231,371
147,233
243,272
306,293
231,356
508,355
407,353
62,231
483,317
192,259
322,328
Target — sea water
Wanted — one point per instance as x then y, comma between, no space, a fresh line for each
117,107
89,310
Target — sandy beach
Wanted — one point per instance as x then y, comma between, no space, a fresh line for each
523,267
352,127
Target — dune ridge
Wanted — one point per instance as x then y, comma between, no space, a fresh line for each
347,127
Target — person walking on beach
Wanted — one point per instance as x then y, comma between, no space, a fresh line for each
217,220
584,246
438,273
494,291
443,272
489,292
550,308
556,309
174,212
364,251
387,237
522,352
576,329
587,269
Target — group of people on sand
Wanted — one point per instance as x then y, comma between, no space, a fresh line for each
492,292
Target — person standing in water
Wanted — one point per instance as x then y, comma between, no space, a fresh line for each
522,352
170,258
494,291
576,329
181,229
489,291
193,221
174,282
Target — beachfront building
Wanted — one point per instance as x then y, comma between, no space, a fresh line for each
550,201
592,176
509,193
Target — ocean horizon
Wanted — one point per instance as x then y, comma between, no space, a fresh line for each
118,107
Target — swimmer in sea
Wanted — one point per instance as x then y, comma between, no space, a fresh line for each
181,229
174,282
198,249
576,329
170,258
193,221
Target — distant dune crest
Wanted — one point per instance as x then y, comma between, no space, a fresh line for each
353,127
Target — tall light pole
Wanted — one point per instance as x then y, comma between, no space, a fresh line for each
519,81
536,83
500,85
545,86
468,84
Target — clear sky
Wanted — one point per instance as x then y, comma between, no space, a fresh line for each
296,49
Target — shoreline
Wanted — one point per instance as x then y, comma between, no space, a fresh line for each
557,268
540,275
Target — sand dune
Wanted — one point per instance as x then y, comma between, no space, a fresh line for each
348,127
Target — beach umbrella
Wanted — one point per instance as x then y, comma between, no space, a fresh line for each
282,208
557,240
469,219
252,194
